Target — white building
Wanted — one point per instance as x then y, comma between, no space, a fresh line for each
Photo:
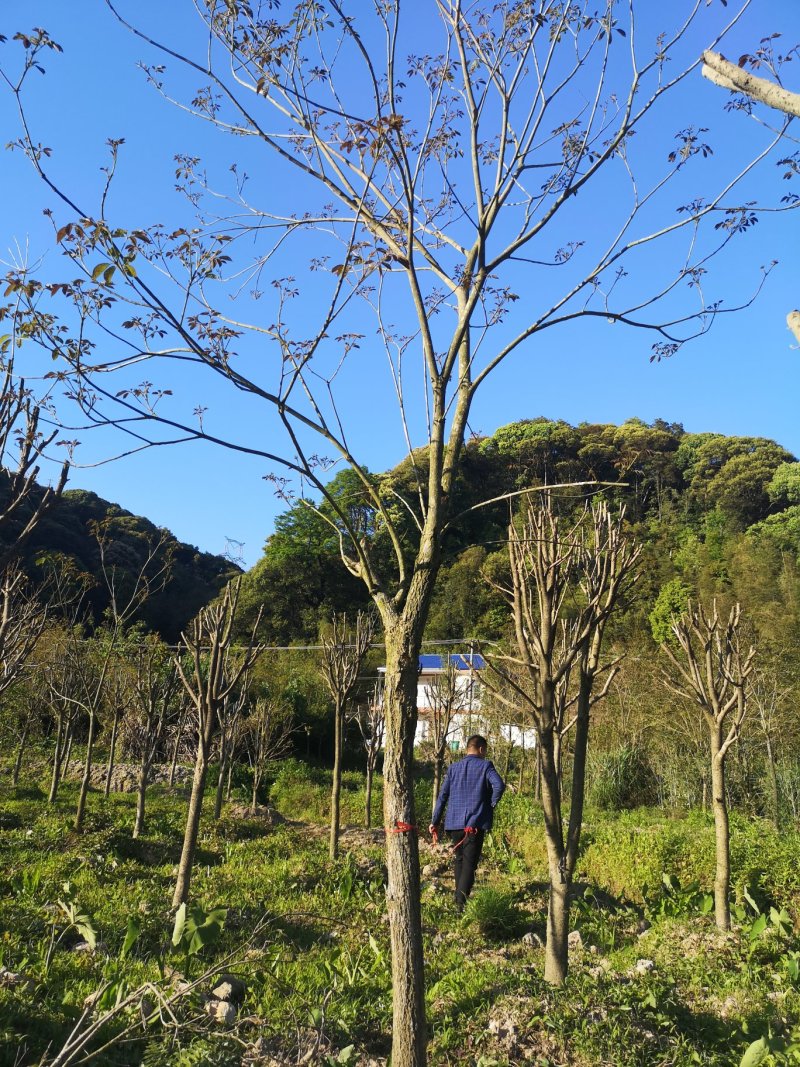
467,719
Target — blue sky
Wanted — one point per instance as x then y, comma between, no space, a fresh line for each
740,379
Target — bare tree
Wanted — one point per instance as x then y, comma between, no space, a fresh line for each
231,714
127,593
344,650
23,618
711,670
211,673
267,733
431,189
370,718
22,446
154,706
446,697
771,693
558,654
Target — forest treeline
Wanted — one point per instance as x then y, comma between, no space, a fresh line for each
717,515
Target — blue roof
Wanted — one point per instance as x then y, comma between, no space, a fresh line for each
462,661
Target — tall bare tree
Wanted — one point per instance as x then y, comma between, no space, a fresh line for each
22,447
370,718
267,733
210,674
564,586
432,187
153,707
344,650
711,670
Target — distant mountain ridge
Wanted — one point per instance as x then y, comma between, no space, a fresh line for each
66,530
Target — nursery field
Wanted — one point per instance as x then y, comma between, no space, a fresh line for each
283,956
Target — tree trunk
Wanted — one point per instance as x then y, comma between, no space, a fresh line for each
58,754
229,783
507,764
772,782
254,798
722,876
20,752
537,789
521,781
409,1030
556,958
556,948
438,763
181,894
112,753
141,795
220,793
368,799
87,771
68,752
173,765
336,788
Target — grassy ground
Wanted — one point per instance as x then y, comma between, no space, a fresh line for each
652,982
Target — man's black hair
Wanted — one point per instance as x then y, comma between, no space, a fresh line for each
476,741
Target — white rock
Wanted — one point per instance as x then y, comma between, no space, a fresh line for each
532,938
221,1011
574,940
230,988
644,966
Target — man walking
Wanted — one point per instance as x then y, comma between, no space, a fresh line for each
471,790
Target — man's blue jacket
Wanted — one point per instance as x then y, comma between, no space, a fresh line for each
471,790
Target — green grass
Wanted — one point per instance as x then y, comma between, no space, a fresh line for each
310,939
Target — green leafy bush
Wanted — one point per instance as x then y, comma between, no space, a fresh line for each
622,779
496,914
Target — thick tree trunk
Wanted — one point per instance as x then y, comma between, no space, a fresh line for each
181,894
556,949
87,772
409,1032
20,752
112,753
336,787
556,960
537,789
722,876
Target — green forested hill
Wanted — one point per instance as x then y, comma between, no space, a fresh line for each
718,516
68,530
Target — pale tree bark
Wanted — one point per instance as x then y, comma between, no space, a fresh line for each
711,670
728,75
210,675
557,666
344,650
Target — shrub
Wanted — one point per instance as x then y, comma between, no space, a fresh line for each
496,914
622,779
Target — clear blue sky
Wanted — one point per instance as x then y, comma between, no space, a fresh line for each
740,379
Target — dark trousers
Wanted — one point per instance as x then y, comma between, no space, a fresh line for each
465,862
